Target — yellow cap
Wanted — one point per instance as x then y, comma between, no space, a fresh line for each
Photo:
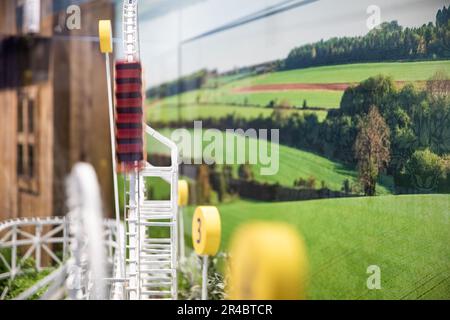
183,193
105,36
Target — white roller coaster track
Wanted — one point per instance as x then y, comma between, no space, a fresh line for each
152,262
130,30
82,247
22,239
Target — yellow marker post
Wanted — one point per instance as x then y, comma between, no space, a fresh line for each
183,199
106,47
268,262
183,193
206,233
105,36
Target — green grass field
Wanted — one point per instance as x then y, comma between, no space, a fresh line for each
197,112
351,73
322,98
225,95
293,164
317,98
406,236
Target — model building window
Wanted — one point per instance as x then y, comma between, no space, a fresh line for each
26,139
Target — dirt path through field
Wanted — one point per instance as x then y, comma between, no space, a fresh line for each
293,86
277,87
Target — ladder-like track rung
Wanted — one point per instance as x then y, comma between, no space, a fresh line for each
157,224
156,246
155,256
156,251
155,293
157,284
156,217
155,278
155,264
150,271
158,241
156,210
157,204
130,261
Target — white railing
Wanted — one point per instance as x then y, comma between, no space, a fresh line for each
46,241
22,239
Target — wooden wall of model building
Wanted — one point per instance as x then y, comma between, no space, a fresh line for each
80,86
53,105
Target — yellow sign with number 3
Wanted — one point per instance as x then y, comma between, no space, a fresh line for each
206,231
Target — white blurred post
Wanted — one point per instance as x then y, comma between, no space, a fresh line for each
205,278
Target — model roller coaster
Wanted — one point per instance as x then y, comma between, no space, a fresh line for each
107,259
124,258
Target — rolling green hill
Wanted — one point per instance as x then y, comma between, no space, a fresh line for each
168,113
314,98
222,100
406,236
351,73
293,164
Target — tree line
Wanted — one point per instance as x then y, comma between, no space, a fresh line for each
387,42
186,83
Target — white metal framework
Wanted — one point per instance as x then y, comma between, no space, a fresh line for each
46,241
130,30
152,262
21,239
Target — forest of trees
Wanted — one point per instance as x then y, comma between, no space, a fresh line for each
387,42
187,83
418,119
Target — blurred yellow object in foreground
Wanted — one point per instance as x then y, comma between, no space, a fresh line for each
206,231
267,262
183,193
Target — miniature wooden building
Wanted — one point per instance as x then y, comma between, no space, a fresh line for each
53,104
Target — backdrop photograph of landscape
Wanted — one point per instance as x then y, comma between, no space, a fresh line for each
359,94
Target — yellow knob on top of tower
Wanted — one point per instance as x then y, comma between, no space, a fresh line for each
105,36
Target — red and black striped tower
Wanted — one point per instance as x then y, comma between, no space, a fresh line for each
129,116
